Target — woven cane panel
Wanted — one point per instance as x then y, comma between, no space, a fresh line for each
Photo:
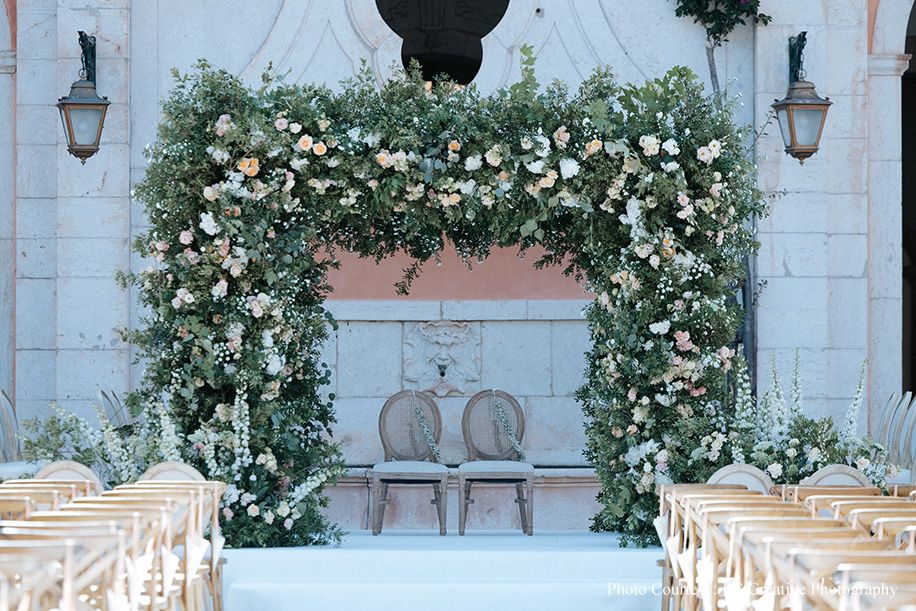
485,434
401,430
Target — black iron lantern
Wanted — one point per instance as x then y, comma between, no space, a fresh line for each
83,111
801,114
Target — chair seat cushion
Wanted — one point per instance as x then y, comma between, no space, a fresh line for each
410,466
495,466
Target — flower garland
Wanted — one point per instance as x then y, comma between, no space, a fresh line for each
427,433
507,428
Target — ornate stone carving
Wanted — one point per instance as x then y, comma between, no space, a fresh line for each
443,357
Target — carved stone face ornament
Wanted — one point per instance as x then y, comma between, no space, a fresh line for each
443,358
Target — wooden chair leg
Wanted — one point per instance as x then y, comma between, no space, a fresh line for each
443,504
464,492
374,504
520,501
530,503
382,503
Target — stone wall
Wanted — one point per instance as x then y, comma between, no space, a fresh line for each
830,248
533,350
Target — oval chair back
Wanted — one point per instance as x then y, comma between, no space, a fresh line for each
400,426
484,430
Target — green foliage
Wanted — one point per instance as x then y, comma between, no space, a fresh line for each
720,17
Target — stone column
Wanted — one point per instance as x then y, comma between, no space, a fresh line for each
885,271
37,130
7,196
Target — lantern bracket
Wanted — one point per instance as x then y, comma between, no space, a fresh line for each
797,57
87,57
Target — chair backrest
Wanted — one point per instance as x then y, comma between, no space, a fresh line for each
837,475
174,471
891,419
400,429
9,429
484,433
748,475
63,470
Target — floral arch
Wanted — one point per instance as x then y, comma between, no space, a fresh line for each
642,192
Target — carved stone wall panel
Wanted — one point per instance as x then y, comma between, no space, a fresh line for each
316,41
442,357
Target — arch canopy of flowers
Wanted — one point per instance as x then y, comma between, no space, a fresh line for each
642,192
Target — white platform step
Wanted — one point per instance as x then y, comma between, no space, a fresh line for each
404,570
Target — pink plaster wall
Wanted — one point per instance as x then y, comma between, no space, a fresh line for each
10,6
501,276
872,11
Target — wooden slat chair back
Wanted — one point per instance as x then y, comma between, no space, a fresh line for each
13,508
44,498
798,492
490,420
81,487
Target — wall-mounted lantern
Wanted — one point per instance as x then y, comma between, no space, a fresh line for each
801,113
83,111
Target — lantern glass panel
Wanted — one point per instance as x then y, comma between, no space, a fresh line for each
807,125
85,125
783,119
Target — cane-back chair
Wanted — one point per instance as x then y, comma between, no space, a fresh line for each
406,423
491,419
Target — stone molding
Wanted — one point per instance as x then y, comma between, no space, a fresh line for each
888,65
7,62
425,311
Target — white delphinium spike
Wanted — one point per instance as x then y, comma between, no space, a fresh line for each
778,412
169,441
745,414
850,436
125,469
795,391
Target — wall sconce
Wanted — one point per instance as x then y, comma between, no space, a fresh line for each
83,111
801,113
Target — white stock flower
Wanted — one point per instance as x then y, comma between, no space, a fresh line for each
660,328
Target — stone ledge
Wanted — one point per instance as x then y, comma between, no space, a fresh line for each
521,309
7,62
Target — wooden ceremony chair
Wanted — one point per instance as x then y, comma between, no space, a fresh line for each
408,454
184,535
210,493
492,457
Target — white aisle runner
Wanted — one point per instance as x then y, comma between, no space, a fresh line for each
407,570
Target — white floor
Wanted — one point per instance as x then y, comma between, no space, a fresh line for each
406,570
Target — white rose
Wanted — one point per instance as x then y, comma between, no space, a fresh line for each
274,365
535,167
568,167
544,146
775,470
208,224
473,163
253,510
660,328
